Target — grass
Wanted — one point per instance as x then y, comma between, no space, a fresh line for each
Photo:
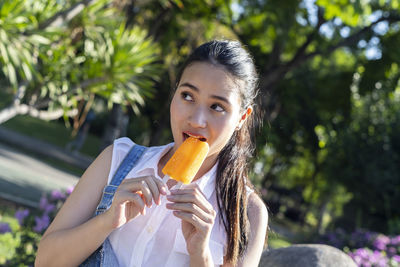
18,247
53,132
277,241
5,97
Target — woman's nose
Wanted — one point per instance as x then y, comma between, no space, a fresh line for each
198,118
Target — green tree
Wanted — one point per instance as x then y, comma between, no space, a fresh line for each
365,156
307,54
93,53
178,27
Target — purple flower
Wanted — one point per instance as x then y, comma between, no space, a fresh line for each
361,238
395,240
379,259
357,259
4,228
21,215
381,241
41,223
396,258
364,257
391,251
363,253
57,195
45,205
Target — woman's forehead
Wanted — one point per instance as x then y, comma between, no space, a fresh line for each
210,77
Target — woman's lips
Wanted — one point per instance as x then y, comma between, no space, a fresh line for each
187,134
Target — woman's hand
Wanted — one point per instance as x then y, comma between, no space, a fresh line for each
197,214
131,198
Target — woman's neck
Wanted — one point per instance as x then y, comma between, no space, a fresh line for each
205,167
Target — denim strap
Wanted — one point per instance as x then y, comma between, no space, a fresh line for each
124,168
104,255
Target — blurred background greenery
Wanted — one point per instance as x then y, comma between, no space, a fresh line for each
328,147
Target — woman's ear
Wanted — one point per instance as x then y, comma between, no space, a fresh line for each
244,117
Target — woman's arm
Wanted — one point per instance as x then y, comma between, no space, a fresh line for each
258,219
73,235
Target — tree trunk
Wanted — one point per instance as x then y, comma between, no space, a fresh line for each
116,126
322,212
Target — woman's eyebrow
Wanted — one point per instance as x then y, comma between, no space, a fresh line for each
191,86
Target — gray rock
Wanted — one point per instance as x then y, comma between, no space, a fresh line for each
306,255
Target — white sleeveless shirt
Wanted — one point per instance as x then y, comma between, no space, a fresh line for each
146,242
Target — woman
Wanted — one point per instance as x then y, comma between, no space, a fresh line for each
216,220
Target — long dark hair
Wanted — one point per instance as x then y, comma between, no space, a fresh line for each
232,172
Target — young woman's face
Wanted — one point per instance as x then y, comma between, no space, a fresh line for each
206,104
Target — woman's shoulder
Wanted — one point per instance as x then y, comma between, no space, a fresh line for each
123,144
258,221
120,148
257,209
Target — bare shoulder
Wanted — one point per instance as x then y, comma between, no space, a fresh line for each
81,204
258,219
256,210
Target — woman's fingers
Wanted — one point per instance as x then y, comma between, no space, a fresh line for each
148,186
135,198
194,209
190,205
157,187
191,218
132,197
162,187
194,220
153,189
190,195
138,186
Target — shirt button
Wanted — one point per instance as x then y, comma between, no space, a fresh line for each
149,229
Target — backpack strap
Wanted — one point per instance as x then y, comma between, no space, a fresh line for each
124,168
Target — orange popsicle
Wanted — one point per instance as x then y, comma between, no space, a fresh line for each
186,161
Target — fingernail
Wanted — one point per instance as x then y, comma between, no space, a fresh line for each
173,191
163,190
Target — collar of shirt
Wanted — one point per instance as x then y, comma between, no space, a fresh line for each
149,163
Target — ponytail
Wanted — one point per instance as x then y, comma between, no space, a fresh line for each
231,182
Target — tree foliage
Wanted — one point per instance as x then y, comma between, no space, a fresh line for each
329,80
90,52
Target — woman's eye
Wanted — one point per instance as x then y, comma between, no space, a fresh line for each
217,108
186,96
